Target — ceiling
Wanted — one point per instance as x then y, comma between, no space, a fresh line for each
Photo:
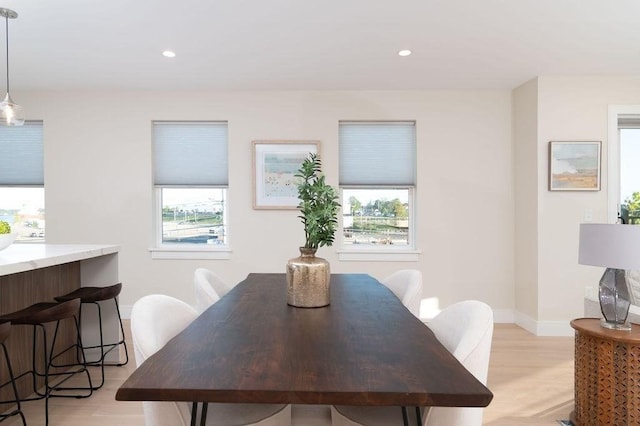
305,44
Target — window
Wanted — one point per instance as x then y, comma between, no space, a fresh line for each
191,180
377,180
629,145
22,180
623,157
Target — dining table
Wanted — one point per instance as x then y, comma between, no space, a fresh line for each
365,348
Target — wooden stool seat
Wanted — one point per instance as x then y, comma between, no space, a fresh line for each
92,294
43,312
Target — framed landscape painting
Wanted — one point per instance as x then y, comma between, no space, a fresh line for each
274,165
574,165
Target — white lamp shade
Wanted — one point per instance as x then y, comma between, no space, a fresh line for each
609,245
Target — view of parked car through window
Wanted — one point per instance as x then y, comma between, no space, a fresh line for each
193,216
23,209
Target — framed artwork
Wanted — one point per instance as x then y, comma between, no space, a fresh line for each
274,165
574,165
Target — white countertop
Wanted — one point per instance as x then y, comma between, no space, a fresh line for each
26,257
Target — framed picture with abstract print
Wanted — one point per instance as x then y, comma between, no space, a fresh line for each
274,165
574,165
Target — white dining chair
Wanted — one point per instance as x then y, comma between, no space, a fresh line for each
208,287
407,285
466,330
156,319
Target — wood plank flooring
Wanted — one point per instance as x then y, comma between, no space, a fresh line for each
531,378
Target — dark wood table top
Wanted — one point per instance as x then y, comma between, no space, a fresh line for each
365,348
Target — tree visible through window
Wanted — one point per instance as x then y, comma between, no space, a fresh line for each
377,177
376,216
23,209
630,175
191,179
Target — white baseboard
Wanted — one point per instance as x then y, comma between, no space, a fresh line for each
543,328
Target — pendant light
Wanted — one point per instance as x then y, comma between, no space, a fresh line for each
11,114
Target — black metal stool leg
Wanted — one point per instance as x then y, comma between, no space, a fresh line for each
122,341
18,410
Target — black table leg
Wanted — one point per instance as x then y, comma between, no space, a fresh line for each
203,418
194,413
203,414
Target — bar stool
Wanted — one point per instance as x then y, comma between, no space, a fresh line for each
93,295
37,315
5,329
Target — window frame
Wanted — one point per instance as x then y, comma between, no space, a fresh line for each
161,250
30,183
613,158
407,253
383,253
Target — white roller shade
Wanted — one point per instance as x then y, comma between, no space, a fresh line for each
629,121
377,153
190,153
22,153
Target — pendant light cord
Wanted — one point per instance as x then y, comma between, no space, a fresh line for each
6,26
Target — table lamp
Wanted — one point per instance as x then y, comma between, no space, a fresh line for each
617,248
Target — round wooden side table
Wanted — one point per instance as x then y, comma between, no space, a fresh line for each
607,374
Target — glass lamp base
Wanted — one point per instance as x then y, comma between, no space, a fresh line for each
615,326
614,300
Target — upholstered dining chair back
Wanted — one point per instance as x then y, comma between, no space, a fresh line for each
209,288
466,330
155,320
407,285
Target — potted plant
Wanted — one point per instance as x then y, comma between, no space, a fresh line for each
308,275
318,204
6,237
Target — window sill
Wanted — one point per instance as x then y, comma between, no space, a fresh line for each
379,255
187,252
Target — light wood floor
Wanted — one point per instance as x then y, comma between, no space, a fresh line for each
531,378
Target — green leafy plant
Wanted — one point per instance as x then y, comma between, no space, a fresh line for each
5,228
318,204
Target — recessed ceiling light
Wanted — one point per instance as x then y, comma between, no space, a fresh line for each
405,52
169,54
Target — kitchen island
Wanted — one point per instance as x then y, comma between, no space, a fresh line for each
32,273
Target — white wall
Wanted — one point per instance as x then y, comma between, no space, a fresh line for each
571,108
525,160
99,190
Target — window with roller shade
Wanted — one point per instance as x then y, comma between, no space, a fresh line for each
629,173
190,176
22,180
377,181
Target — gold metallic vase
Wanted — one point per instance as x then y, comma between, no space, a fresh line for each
308,280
